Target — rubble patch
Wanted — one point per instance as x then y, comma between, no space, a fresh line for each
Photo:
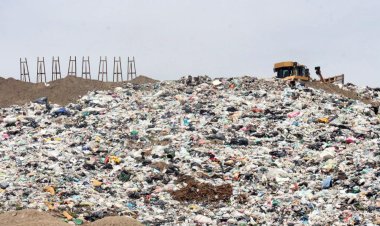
195,191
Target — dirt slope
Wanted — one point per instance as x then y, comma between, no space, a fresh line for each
37,218
62,91
331,88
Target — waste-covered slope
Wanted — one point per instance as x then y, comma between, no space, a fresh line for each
366,95
256,151
61,91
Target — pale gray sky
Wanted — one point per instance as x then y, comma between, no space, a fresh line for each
172,38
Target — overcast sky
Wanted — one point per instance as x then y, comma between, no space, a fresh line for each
172,38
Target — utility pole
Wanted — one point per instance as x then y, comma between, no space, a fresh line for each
117,71
131,73
41,72
55,69
24,71
103,69
86,72
72,71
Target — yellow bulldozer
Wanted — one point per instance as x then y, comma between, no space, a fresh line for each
292,71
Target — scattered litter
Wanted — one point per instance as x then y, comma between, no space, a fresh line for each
238,151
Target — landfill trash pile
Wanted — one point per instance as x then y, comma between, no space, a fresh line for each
255,151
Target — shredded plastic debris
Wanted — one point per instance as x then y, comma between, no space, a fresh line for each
237,151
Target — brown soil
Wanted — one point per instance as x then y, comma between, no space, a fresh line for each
29,218
62,91
37,218
331,88
201,192
116,221
161,166
143,80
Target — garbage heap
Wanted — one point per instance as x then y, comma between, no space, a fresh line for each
364,92
237,151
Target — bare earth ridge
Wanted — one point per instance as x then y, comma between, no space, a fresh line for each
38,218
62,91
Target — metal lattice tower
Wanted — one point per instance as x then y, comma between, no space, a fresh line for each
131,73
24,71
41,72
72,71
117,71
55,69
103,69
86,72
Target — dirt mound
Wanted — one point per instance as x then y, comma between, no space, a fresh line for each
143,80
37,218
116,221
29,218
334,89
62,91
201,192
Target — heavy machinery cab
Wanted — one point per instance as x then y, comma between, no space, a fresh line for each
290,70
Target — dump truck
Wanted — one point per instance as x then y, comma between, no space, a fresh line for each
293,71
